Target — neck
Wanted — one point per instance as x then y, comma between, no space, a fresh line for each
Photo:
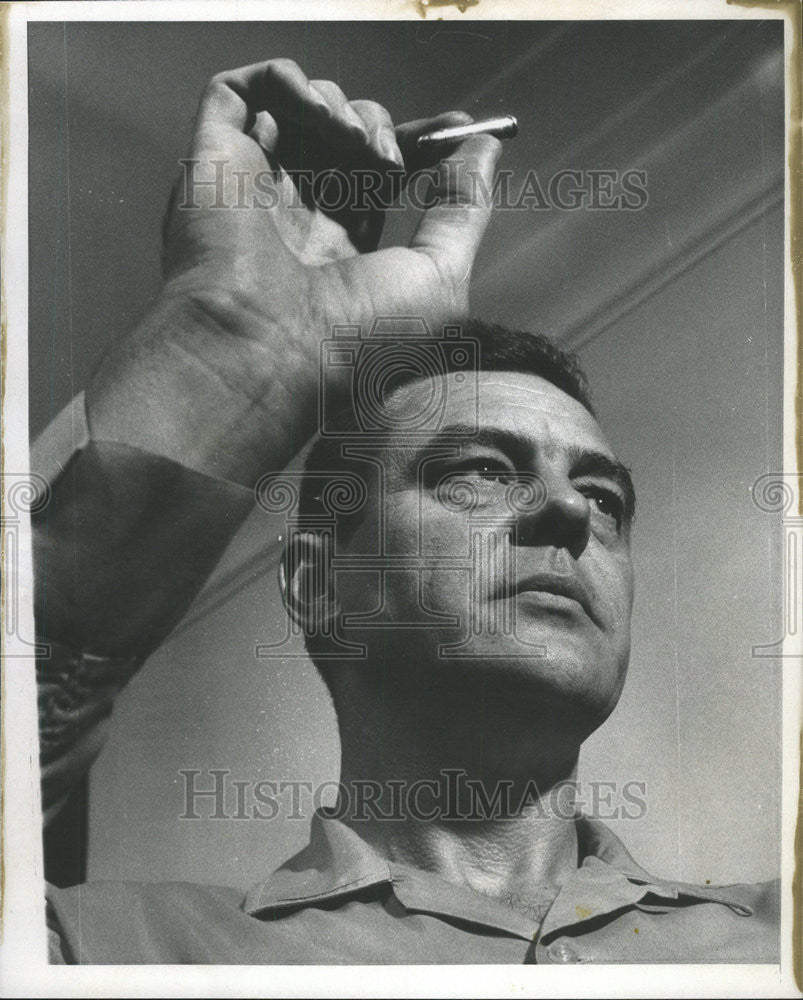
486,806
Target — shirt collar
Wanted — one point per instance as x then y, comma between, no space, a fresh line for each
338,863
598,843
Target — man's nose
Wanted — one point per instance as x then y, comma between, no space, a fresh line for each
559,516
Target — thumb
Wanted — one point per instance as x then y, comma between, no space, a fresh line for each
460,200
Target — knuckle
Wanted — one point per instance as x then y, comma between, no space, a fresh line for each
216,84
373,110
373,106
281,66
329,88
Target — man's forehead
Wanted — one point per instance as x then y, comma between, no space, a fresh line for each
525,405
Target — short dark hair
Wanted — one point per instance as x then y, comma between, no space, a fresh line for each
498,349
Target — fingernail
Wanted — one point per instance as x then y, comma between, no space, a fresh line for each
389,148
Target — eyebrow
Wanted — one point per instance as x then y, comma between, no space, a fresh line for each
596,463
582,461
490,437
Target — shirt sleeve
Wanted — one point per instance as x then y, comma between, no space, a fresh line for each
123,540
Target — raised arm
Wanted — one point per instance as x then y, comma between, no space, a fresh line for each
219,382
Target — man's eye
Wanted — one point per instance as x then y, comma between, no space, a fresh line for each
606,502
475,483
487,470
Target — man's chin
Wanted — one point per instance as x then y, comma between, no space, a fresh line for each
575,682
552,670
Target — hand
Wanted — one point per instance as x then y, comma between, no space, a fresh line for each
223,374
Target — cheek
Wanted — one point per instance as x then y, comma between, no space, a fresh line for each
415,525
624,565
438,541
614,582
608,571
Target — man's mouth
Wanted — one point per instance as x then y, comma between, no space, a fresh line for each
561,585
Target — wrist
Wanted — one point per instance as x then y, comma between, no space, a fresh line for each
208,381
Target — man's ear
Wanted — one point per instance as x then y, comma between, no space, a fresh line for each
305,580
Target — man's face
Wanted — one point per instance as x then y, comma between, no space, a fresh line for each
505,552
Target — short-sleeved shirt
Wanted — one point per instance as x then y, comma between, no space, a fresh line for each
340,902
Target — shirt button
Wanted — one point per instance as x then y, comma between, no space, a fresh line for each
562,952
